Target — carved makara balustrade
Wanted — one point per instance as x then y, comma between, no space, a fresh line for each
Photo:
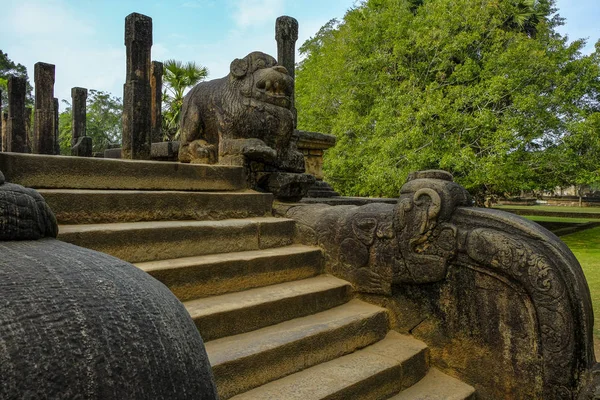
501,301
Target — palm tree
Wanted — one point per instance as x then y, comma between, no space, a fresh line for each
177,78
526,16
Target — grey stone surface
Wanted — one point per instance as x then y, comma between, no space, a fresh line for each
156,73
16,130
321,189
41,171
137,93
24,214
113,153
76,323
167,151
77,206
502,303
43,128
164,151
315,140
286,186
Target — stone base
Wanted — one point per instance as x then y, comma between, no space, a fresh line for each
285,186
82,147
162,151
321,189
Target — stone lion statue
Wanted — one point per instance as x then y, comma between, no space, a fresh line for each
244,116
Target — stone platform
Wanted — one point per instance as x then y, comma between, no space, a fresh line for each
276,326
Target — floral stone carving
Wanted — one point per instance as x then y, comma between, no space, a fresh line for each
436,250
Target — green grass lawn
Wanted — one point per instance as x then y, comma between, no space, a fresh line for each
539,218
586,247
582,210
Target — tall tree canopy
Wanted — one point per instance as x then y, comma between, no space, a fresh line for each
7,68
486,89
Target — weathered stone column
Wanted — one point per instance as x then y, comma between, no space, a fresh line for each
28,133
313,145
16,133
43,126
137,97
2,124
81,145
56,141
286,34
156,74
4,130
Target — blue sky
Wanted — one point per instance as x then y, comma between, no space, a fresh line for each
84,38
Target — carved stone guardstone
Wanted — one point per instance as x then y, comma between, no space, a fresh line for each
81,145
78,323
137,94
502,303
43,127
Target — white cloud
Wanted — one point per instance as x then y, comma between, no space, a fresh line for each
37,18
248,13
53,33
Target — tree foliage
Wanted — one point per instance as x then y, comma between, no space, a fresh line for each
103,122
177,78
486,89
7,68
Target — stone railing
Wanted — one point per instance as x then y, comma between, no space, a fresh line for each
502,302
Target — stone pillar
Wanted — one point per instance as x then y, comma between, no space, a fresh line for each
56,134
2,123
137,94
286,34
4,130
16,133
43,126
156,74
313,145
28,133
81,145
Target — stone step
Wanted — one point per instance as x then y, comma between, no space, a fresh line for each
375,372
87,206
437,386
248,360
215,274
61,172
160,240
240,312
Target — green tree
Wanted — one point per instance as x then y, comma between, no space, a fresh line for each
103,121
7,68
486,89
177,78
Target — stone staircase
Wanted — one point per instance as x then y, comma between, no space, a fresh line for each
274,324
